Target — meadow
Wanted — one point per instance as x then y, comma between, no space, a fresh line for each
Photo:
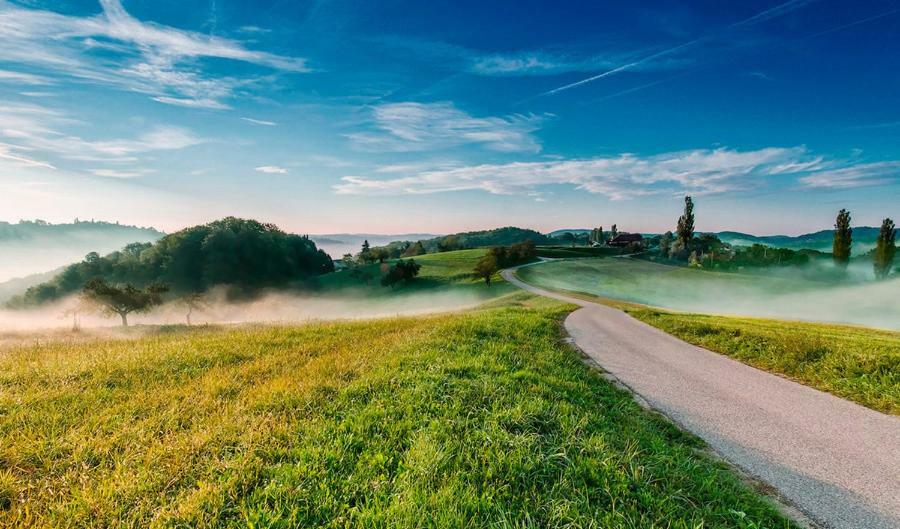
779,293
857,363
476,419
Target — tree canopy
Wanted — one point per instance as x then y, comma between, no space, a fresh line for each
125,299
243,254
885,249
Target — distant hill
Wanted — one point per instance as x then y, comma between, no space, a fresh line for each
16,286
31,247
337,244
573,231
863,240
245,255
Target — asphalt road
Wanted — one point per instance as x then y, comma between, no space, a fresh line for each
836,461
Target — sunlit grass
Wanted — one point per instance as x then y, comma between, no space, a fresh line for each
481,419
856,363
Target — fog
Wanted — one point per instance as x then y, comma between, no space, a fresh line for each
271,307
817,292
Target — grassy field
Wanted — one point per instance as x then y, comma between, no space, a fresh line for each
482,419
440,271
856,363
782,294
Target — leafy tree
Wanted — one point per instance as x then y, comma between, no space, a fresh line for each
486,267
685,229
613,232
244,254
193,301
885,248
404,271
365,253
568,238
665,243
379,254
417,248
843,239
450,243
123,300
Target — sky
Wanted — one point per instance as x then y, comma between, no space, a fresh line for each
396,117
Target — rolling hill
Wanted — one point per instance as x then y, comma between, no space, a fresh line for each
35,247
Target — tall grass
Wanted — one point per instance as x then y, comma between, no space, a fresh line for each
470,420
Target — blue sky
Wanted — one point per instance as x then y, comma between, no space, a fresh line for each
389,117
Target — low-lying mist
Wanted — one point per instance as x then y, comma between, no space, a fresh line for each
271,307
817,292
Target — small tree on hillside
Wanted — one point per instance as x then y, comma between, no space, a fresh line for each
614,232
665,243
885,249
486,267
402,270
123,300
843,239
685,229
414,249
365,253
193,301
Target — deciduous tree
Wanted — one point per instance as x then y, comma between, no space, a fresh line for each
125,299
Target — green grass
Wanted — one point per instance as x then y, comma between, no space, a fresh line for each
482,419
859,364
440,272
561,252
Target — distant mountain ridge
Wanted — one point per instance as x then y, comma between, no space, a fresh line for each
35,246
864,238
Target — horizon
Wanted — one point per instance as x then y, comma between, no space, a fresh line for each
331,117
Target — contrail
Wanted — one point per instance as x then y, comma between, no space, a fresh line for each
759,17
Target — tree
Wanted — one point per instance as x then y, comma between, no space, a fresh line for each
685,229
379,254
613,232
402,270
417,248
365,253
123,300
568,237
665,243
193,301
486,267
885,248
843,239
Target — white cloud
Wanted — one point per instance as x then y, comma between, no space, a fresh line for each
862,175
116,173
142,56
271,169
260,122
420,126
23,78
697,172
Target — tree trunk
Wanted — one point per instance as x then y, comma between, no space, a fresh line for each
188,316
124,316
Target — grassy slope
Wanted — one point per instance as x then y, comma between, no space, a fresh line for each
856,363
481,419
440,272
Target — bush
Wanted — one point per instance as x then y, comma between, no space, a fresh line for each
402,271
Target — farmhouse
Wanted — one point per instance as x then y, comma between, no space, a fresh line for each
624,239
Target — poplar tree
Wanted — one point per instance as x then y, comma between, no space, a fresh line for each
843,239
885,249
686,224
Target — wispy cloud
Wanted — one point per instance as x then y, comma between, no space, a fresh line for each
117,49
31,131
260,122
271,169
117,173
698,172
8,76
774,12
862,175
432,126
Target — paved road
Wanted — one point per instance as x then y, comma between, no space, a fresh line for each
836,461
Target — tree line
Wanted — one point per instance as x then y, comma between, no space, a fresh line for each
244,255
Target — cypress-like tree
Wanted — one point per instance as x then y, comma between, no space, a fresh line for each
686,224
843,239
885,248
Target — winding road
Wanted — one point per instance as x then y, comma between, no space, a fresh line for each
835,461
